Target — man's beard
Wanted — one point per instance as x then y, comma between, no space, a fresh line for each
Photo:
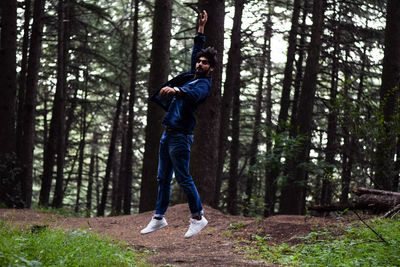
200,72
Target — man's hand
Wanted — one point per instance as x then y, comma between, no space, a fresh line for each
166,91
202,21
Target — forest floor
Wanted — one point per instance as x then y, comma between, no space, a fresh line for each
219,244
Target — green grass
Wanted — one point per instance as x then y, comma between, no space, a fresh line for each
358,246
41,246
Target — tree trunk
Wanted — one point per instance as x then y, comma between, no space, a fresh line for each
389,95
10,187
287,80
253,150
234,153
359,191
159,71
26,141
97,180
22,74
205,168
132,97
91,175
276,166
111,151
232,68
82,145
270,184
331,146
119,187
299,71
347,155
294,191
62,134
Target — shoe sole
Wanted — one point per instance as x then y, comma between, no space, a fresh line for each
153,230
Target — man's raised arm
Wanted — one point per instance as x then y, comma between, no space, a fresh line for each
200,39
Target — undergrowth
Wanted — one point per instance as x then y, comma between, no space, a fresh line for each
358,246
64,211
41,246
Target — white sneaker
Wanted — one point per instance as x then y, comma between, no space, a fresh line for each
154,225
196,226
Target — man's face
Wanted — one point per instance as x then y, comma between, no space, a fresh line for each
203,68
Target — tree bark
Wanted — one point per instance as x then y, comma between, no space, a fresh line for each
232,200
119,187
270,183
287,80
132,98
331,146
26,141
232,68
62,133
205,168
10,186
159,70
22,74
389,95
299,71
82,144
293,194
91,175
347,155
362,191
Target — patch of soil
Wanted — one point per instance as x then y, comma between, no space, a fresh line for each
216,245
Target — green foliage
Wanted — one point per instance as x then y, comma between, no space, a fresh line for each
10,186
358,246
43,247
235,226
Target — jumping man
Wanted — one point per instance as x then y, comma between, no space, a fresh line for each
180,97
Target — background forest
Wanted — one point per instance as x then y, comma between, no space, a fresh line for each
304,105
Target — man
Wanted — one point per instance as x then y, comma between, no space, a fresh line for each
180,98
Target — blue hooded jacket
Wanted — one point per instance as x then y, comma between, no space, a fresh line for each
180,109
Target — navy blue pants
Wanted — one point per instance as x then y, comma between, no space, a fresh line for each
174,156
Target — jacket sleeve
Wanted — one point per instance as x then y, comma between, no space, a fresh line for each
196,92
198,44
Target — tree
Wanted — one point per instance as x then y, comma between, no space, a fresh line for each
56,139
287,80
389,96
132,97
26,140
331,146
159,71
205,168
232,70
294,190
111,154
10,190
232,199
285,95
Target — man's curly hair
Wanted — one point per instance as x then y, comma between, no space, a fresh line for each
210,53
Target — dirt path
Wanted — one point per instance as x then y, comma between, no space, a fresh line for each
216,245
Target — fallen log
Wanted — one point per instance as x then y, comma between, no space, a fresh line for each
338,207
369,199
362,191
395,210
379,202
